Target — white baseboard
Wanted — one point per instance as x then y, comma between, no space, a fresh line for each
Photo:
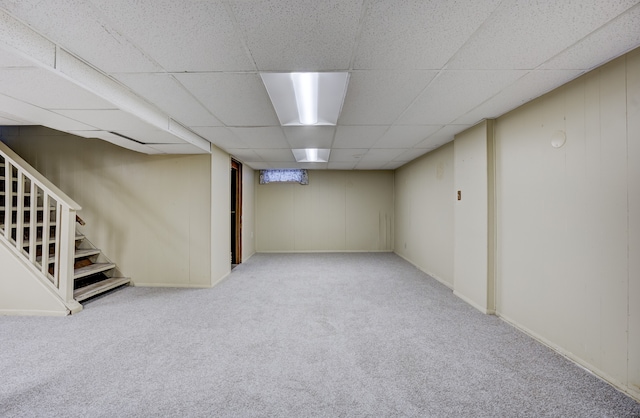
631,392
27,312
444,282
474,304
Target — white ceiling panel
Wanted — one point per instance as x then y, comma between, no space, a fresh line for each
403,136
43,88
220,137
393,165
454,93
299,35
259,165
9,60
347,155
411,154
245,155
150,136
106,119
165,91
417,34
117,140
379,97
420,71
40,116
617,37
187,35
525,34
273,154
358,136
78,26
178,149
309,136
235,99
385,155
341,166
532,85
441,137
10,121
268,137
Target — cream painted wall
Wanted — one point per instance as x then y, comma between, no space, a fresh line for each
424,207
568,220
337,211
21,292
149,214
220,215
248,212
472,252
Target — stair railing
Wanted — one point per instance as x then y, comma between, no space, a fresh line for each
37,221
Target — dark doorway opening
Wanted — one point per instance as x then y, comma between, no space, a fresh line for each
236,212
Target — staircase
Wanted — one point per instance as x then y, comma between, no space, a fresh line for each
38,223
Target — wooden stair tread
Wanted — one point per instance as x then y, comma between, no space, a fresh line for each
88,252
100,287
92,269
79,237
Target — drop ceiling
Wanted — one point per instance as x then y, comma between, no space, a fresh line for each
175,76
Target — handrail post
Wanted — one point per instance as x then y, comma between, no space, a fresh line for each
66,219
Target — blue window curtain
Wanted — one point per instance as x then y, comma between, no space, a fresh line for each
284,176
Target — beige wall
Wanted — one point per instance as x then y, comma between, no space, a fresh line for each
22,292
473,159
337,211
568,220
248,212
152,215
220,231
424,205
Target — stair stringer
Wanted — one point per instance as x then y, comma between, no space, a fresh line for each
24,290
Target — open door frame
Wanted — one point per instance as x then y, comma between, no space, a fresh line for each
236,212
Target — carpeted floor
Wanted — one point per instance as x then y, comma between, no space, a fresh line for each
292,335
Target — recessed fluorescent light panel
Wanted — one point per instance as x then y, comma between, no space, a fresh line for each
311,155
306,98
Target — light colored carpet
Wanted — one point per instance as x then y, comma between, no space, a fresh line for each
292,335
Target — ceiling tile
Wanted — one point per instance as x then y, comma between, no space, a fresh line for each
116,140
615,38
272,154
178,149
267,137
298,35
9,60
78,27
341,165
347,155
259,165
187,35
358,136
379,97
220,137
150,136
411,154
394,165
405,136
106,119
371,165
525,34
10,120
235,99
525,89
309,136
40,116
417,34
442,137
43,88
167,93
454,93
385,155
244,155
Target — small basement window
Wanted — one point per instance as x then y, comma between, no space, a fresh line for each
284,176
